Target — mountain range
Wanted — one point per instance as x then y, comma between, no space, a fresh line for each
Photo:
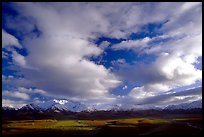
73,106
186,106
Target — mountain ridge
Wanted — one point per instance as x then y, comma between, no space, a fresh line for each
67,105
185,106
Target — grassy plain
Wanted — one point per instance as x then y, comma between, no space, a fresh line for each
136,126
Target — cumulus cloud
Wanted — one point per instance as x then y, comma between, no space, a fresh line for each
58,60
9,40
59,57
174,65
20,92
166,73
16,94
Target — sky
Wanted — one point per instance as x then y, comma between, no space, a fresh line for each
127,54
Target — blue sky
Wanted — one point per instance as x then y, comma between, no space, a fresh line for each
115,53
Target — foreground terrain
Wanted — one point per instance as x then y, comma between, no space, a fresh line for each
171,125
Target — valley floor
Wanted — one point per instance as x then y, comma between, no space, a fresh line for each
133,126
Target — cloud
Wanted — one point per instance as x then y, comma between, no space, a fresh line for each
9,40
167,72
16,94
22,93
4,55
18,59
188,14
170,97
30,90
13,103
105,18
188,17
176,54
118,61
15,81
58,59
160,100
131,44
104,44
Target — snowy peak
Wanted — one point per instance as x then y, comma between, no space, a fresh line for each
67,105
58,108
59,105
33,107
8,108
62,102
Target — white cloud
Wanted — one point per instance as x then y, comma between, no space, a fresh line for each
18,59
170,97
15,94
167,72
104,44
9,40
174,65
13,103
141,99
187,20
22,93
140,93
131,44
58,58
30,90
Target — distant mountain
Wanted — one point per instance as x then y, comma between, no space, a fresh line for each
56,105
8,108
73,106
31,107
185,106
60,109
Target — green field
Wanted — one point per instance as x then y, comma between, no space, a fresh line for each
117,126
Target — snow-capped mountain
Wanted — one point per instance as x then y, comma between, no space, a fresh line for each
67,105
8,108
186,106
59,105
33,107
